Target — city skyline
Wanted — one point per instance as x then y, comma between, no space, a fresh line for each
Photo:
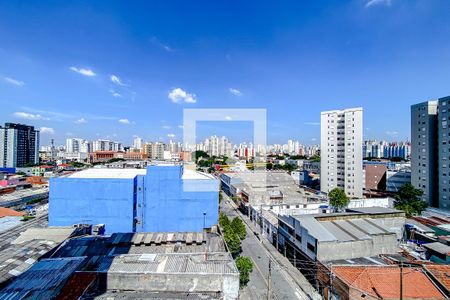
131,69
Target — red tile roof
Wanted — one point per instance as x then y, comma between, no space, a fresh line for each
441,273
6,212
384,281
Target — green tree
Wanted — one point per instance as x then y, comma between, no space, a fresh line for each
239,228
223,220
245,267
232,240
199,153
408,200
338,199
315,158
76,164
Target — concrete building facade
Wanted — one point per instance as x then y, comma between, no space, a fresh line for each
341,138
423,145
443,153
19,145
163,198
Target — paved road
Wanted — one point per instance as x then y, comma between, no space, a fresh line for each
282,287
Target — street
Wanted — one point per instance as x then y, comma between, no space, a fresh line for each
281,285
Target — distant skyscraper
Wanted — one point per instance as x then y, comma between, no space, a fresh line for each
106,145
138,143
216,146
424,149
77,145
341,151
19,145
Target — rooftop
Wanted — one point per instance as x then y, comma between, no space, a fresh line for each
441,273
7,212
349,229
162,263
121,173
438,247
108,173
382,282
43,279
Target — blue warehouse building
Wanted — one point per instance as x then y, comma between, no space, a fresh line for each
161,198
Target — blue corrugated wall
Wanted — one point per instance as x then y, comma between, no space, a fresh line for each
159,201
173,204
92,201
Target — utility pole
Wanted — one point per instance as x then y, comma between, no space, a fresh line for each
401,280
268,280
260,219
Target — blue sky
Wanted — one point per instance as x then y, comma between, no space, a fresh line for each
99,69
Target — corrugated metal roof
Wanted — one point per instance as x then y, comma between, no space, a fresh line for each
9,222
316,229
43,279
342,230
212,263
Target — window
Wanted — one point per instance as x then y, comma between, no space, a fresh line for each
311,247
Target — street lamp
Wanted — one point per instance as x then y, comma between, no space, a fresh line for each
204,219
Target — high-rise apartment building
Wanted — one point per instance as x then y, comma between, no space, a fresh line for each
19,145
424,119
341,138
154,150
77,145
138,143
106,145
443,153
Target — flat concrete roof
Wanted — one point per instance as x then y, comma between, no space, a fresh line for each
131,173
108,173
191,174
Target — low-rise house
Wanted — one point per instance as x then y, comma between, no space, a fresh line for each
41,170
311,238
378,282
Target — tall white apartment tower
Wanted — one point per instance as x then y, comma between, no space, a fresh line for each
341,143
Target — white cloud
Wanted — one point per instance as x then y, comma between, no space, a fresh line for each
124,121
312,123
81,121
179,95
83,71
313,139
47,130
391,132
180,126
228,118
378,2
171,135
115,79
29,116
235,92
158,43
166,127
14,81
115,94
